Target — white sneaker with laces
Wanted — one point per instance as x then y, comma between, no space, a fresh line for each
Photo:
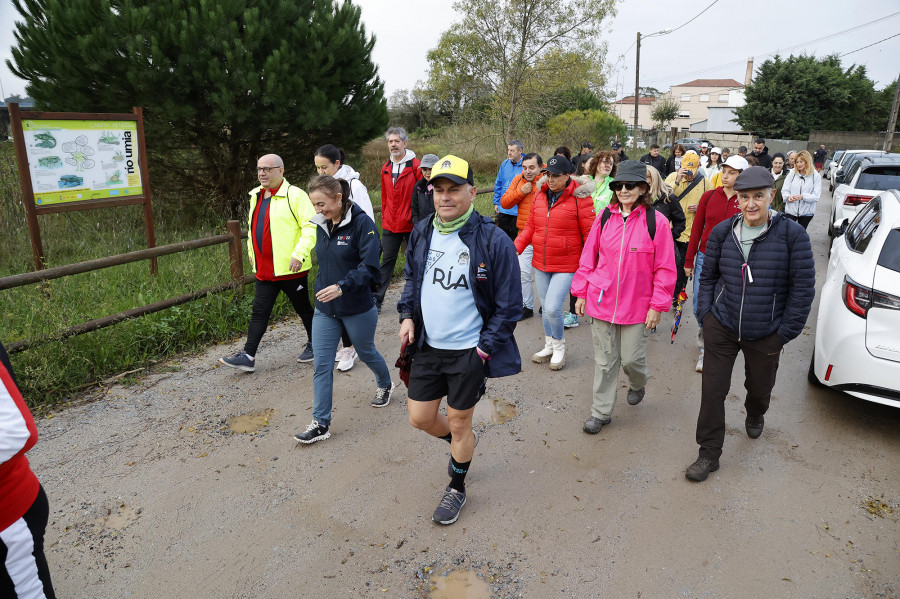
348,359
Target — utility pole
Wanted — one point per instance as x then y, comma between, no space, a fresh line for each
892,122
637,87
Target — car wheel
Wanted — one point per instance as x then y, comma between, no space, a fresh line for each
831,187
811,375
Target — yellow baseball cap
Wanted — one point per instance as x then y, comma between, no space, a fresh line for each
691,161
453,168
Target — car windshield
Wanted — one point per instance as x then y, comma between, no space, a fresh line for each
879,178
838,155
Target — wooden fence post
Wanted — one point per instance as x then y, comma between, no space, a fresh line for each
236,256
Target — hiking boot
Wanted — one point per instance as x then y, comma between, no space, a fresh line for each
383,396
348,359
754,426
447,511
307,355
700,469
558,360
527,312
570,320
314,432
593,425
545,354
240,361
635,396
450,461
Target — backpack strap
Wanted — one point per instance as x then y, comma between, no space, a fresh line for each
651,223
689,187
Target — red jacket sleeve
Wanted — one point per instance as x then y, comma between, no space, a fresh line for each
523,240
586,215
18,484
697,229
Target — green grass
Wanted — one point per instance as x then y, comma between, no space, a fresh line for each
49,372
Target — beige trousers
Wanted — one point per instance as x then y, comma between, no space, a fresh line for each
615,345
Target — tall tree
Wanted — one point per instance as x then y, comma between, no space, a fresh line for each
664,111
790,97
227,80
512,49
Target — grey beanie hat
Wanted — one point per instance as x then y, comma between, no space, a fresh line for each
631,170
428,161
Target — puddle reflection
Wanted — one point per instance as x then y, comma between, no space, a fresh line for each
494,411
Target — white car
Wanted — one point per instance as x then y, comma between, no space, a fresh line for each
864,179
830,164
857,348
640,143
836,173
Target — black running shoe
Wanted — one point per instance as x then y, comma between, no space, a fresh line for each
314,432
383,396
447,511
240,361
307,355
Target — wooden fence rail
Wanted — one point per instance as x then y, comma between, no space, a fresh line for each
238,280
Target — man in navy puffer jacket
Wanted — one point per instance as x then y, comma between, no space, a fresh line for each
756,290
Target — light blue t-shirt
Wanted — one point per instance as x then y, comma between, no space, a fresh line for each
451,318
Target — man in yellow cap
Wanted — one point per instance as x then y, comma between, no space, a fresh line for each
688,185
458,311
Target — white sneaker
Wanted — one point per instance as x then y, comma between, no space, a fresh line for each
339,355
348,359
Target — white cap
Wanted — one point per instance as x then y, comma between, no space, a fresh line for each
736,162
704,145
716,150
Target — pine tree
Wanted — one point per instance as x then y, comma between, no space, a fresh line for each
220,81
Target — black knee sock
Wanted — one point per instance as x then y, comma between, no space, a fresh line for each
458,480
448,437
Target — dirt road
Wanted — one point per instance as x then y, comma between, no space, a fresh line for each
153,494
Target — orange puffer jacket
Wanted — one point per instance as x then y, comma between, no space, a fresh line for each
514,196
558,233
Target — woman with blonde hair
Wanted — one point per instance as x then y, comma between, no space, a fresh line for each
801,190
665,203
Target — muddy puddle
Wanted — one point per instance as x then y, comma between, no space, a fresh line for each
459,584
249,422
118,517
494,411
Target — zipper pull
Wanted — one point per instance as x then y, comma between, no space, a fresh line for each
749,274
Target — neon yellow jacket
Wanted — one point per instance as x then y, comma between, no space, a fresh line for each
293,235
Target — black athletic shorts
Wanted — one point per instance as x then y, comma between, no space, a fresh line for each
456,373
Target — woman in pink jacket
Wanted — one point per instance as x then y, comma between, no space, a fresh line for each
625,279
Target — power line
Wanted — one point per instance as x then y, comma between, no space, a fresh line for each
780,50
870,45
698,14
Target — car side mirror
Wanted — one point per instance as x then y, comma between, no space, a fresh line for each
839,177
842,228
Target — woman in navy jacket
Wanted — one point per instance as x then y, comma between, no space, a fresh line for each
347,249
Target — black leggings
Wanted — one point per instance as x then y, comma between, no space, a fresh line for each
14,539
680,278
803,220
264,300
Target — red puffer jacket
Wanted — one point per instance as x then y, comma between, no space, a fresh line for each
559,233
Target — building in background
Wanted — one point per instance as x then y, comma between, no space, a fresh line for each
624,109
697,97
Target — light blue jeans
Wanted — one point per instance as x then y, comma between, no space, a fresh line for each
325,338
526,267
698,268
553,289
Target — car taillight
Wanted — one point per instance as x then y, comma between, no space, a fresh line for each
859,299
856,200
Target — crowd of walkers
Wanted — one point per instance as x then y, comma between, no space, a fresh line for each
624,241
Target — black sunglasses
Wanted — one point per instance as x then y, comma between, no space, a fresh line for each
617,185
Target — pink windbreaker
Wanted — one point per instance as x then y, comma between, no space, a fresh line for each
622,272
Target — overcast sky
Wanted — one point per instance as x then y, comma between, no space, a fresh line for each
715,45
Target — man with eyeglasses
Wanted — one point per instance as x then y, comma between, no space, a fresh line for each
756,290
280,241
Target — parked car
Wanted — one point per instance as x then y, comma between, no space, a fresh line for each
830,163
864,179
640,142
690,143
857,346
847,160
